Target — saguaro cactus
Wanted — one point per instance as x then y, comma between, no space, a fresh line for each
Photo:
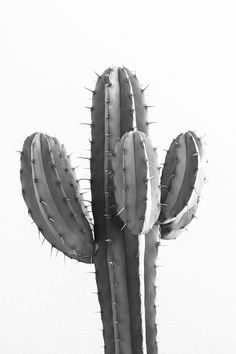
133,205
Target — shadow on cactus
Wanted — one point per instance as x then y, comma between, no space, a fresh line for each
134,205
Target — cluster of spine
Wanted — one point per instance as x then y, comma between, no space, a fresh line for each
133,206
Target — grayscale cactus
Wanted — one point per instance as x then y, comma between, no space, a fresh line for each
134,205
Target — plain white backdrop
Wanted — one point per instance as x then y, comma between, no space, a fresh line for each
186,51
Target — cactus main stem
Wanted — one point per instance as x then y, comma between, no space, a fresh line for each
124,272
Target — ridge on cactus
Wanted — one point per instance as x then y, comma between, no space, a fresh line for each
133,205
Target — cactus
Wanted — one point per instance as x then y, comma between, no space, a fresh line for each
133,206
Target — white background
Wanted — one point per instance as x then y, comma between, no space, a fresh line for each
185,50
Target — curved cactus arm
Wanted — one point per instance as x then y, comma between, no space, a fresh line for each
61,221
180,198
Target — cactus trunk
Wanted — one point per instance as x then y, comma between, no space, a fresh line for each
121,260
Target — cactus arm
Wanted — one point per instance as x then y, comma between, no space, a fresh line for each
179,178
137,184
45,211
48,186
182,211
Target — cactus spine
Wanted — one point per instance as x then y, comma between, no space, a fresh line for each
132,206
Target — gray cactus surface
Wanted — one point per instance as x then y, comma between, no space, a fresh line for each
135,203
